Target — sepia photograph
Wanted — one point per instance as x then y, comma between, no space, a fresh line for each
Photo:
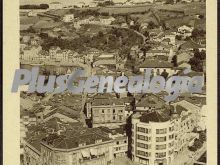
112,82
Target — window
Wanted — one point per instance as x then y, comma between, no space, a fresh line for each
113,110
161,131
141,137
171,144
117,142
125,141
140,152
160,155
160,147
103,111
148,154
171,128
113,117
171,152
148,130
142,145
171,136
161,139
140,129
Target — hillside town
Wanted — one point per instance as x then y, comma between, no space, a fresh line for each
113,38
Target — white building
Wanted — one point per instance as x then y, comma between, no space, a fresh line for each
30,53
171,36
120,145
202,123
106,20
158,67
185,31
68,17
152,139
158,136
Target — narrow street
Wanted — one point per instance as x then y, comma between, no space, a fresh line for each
187,157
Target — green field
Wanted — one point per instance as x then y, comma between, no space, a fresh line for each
125,10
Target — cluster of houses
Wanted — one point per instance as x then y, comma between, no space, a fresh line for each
159,132
94,128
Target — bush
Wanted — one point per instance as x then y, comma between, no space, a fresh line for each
202,136
41,6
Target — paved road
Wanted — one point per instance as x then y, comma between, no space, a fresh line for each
197,154
124,161
186,156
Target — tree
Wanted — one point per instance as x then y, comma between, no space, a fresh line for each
196,64
174,61
202,136
195,33
31,30
197,61
43,35
44,6
169,1
124,52
106,3
198,33
198,143
151,25
41,6
203,55
164,74
146,34
201,16
100,34
178,37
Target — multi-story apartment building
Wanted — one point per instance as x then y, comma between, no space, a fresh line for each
187,117
67,145
152,138
106,111
120,147
159,135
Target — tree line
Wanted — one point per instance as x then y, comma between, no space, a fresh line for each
41,6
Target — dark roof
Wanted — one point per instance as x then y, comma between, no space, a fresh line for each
114,131
156,64
162,115
73,139
155,116
150,99
190,45
106,99
71,134
192,74
71,113
35,139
